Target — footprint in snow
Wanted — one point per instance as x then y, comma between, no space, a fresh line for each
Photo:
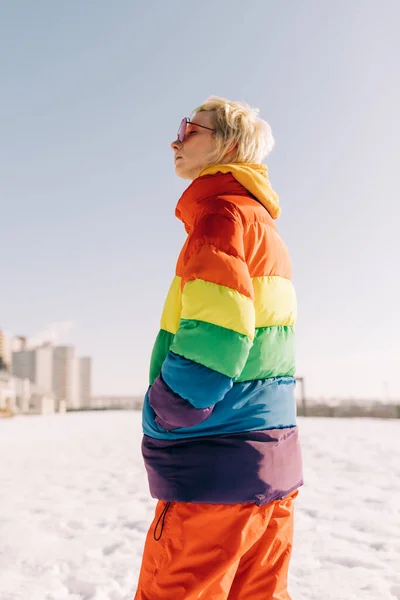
108,550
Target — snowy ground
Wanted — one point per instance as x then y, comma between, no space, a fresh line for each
74,509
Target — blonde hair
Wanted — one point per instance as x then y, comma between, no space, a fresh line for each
241,136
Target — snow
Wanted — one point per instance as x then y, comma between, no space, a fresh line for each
75,508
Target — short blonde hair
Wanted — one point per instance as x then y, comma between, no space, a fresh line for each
238,126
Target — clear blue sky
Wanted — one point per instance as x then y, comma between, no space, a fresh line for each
91,95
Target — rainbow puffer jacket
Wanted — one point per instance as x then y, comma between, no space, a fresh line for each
219,417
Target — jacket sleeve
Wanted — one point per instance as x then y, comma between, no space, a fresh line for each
217,323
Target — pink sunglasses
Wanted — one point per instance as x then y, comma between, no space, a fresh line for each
183,127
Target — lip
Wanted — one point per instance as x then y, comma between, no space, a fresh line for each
177,158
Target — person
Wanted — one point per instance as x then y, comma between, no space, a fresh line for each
221,444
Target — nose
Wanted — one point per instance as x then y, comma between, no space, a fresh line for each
176,145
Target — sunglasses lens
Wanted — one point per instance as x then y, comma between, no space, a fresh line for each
182,130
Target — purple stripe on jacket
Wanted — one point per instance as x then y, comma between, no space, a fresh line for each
171,410
256,466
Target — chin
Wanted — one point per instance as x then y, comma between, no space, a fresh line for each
182,172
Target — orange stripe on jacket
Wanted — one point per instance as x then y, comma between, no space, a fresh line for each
215,252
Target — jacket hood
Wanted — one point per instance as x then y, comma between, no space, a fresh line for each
253,177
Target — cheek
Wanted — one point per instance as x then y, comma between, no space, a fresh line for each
199,151
206,150
211,147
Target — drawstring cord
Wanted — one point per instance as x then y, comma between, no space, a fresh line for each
162,519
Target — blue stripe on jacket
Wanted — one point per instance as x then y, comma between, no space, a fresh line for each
183,377
250,406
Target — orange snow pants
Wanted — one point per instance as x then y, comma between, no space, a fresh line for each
218,552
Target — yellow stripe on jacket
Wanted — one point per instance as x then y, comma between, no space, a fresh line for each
274,304
171,313
274,301
219,305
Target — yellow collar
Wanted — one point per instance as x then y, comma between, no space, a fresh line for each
254,177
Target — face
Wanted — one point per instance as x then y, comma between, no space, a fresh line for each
194,153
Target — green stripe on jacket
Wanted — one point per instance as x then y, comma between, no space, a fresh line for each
272,354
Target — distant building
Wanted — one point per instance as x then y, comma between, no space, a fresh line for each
24,364
36,365
18,343
117,402
55,370
5,351
66,378
85,381
7,393
21,396
44,367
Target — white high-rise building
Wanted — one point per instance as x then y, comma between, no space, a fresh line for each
75,401
85,378
35,364
66,378
56,370
24,364
44,367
